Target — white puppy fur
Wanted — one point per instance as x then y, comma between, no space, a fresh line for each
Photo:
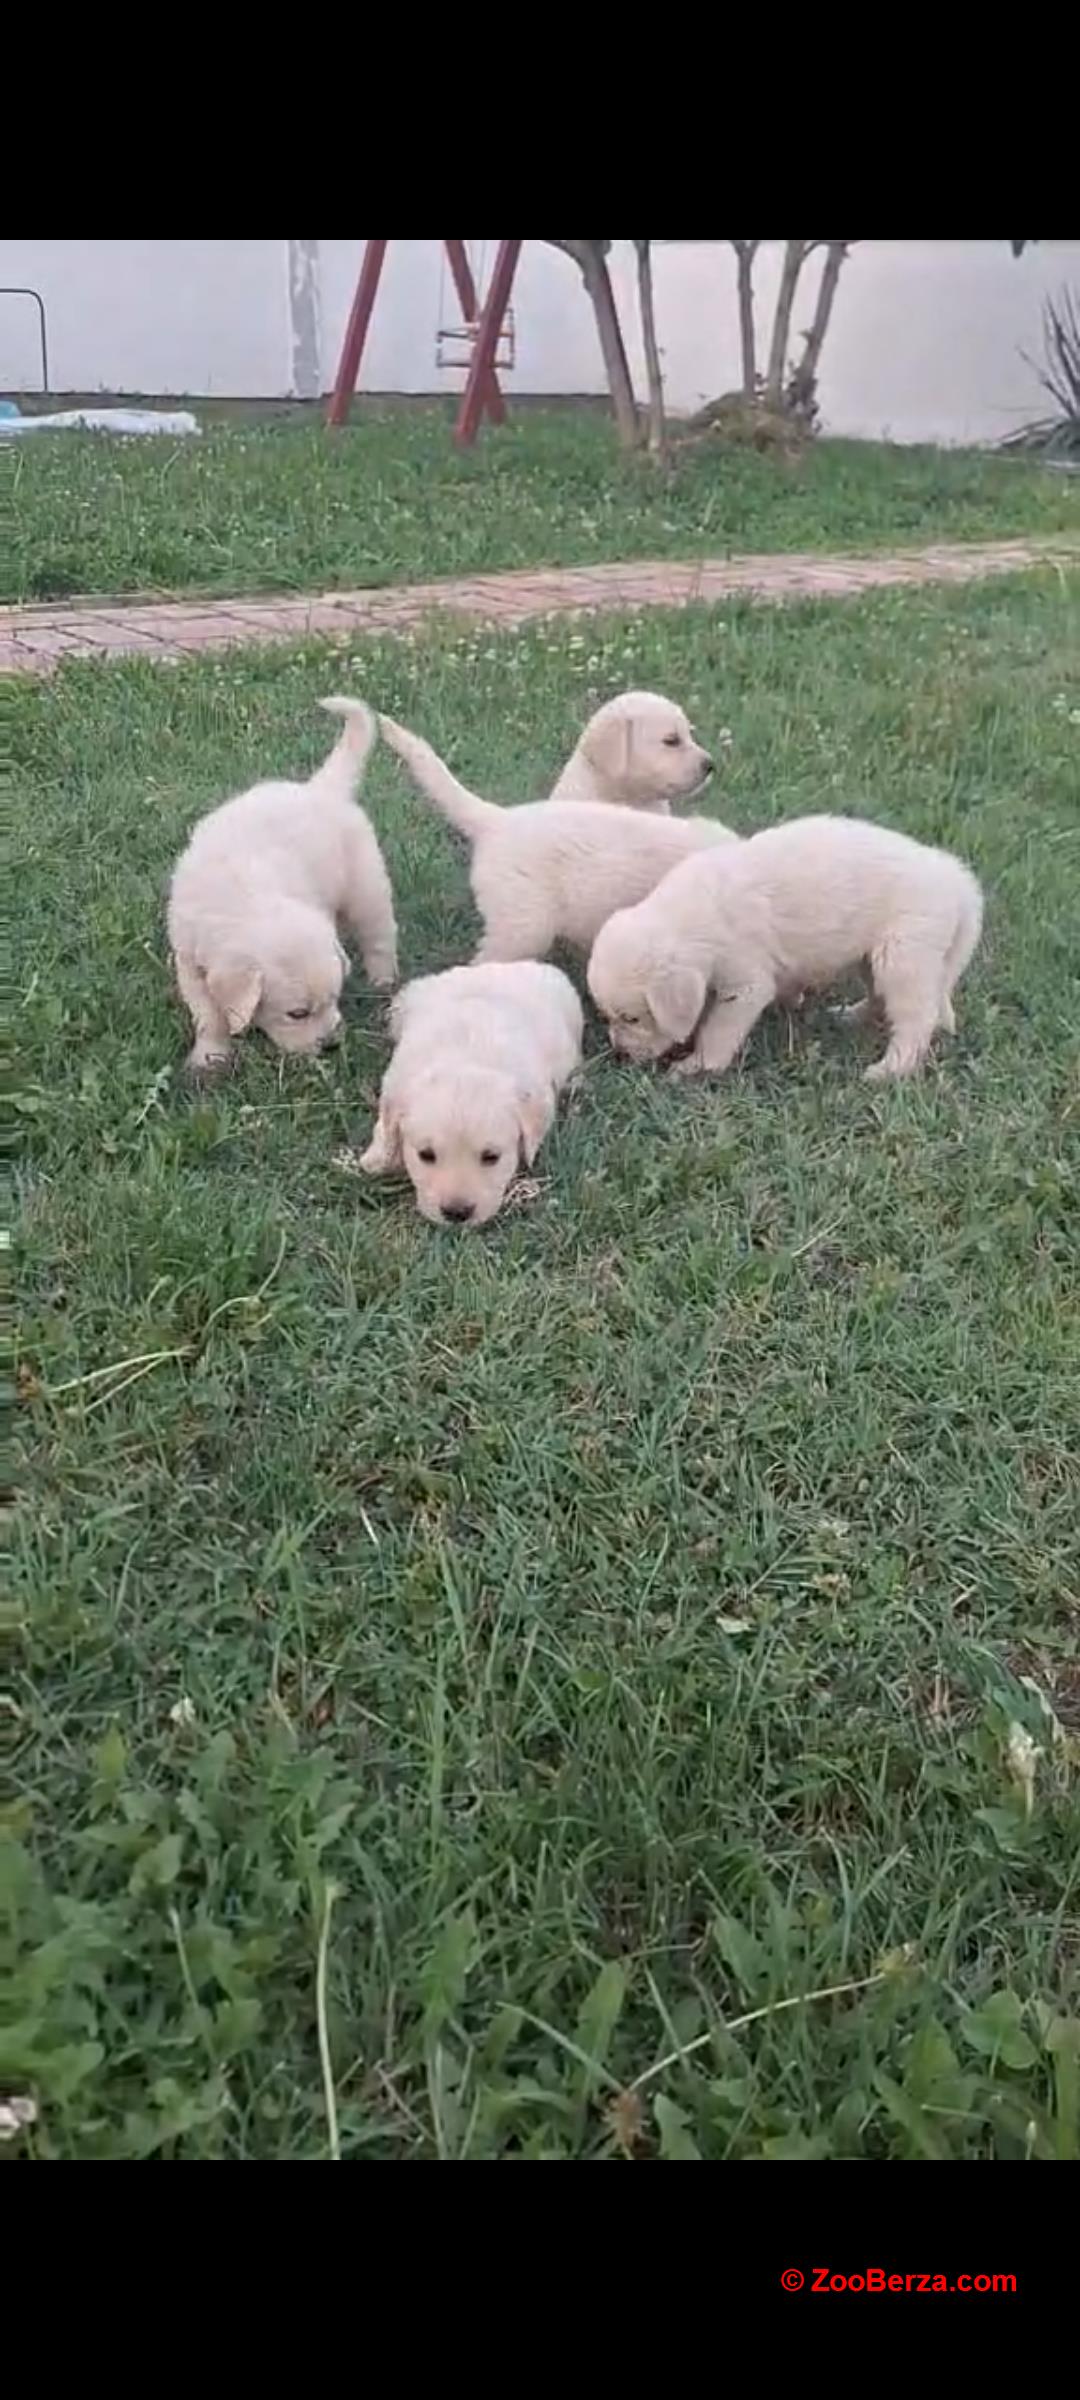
551,870
788,910
637,751
256,899
481,1054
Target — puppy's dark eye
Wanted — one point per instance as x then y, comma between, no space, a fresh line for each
673,741
490,1158
297,1013
427,1154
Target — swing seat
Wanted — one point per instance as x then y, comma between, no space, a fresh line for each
454,344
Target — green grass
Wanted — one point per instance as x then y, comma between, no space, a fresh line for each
624,1610
287,506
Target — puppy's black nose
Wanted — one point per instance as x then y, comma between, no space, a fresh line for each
457,1212
708,764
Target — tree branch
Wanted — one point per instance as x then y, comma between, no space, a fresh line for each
654,372
803,385
794,254
591,259
745,254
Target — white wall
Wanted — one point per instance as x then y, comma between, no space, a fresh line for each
925,343
206,317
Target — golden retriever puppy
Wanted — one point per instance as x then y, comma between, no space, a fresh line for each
481,1055
637,751
551,870
788,911
257,897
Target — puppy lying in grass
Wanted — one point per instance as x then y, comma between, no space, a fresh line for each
785,912
256,901
637,751
481,1054
551,870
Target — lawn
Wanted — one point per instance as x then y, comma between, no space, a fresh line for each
611,1645
287,506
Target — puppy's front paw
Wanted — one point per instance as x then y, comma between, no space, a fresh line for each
692,1064
897,1062
373,1160
382,973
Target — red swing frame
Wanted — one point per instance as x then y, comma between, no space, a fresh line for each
482,394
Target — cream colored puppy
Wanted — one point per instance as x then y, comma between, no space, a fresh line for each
256,899
551,870
481,1054
790,909
637,751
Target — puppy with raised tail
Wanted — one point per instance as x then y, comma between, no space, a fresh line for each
481,1054
787,911
257,898
551,870
637,751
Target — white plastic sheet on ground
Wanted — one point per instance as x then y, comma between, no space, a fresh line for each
103,420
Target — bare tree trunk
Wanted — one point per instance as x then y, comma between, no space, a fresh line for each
794,254
617,365
803,385
657,430
589,257
745,254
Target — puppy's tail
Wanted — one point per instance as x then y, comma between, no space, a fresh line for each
465,809
339,775
969,923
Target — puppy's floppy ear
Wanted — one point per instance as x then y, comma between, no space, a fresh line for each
236,988
676,997
535,1112
608,747
383,1154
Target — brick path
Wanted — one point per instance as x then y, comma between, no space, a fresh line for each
34,640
